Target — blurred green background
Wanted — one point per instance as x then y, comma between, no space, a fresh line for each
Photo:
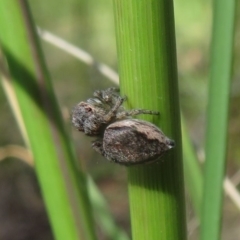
89,25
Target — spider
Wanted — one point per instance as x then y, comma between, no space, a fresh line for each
121,139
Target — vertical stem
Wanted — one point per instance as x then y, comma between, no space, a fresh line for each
147,66
217,117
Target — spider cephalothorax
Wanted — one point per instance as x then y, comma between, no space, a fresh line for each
93,116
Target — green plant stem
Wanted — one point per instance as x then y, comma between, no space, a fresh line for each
148,76
217,117
63,186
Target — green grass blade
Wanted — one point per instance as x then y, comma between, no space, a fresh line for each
193,175
148,73
102,214
217,117
63,187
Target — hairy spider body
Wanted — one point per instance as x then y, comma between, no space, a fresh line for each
121,139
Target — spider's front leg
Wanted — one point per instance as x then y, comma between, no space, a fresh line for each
107,96
113,112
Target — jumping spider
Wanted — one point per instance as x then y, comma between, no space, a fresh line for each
121,139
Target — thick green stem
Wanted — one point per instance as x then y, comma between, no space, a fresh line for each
148,76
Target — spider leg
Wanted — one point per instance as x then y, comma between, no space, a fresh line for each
108,95
135,112
97,145
112,113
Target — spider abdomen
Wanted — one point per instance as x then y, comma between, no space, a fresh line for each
133,141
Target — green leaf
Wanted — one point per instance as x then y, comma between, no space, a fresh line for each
63,186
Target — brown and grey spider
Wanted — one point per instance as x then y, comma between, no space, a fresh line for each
121,139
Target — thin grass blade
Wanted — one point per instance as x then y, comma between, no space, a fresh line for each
217,117
63,186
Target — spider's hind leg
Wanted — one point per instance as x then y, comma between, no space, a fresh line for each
135,112
97,145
